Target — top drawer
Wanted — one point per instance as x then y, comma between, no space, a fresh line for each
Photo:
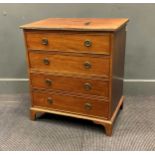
80,42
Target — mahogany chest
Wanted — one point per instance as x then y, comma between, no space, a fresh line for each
76,67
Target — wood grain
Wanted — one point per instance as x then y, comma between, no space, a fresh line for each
57,52
72,104
69,64
108,124
71,84
69,42
78,24
118,56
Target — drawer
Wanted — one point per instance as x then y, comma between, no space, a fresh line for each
72,104
70,84
87,65
80,42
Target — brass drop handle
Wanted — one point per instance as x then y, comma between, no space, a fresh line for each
87,43
49,100
88,106
44,41
87,86
46,61
48,82
87,65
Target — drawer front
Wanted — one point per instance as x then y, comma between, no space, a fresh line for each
70,84
72,104
69,64
83,42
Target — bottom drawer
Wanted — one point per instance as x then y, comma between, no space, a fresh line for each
71,104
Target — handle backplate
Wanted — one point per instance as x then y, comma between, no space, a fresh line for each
44,41
88,106
48,82
87,43
87,65
49,100
46,61
87,86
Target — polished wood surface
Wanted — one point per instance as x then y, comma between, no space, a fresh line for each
71,103
69,42
76,68
78,24
118,56
69,64
90,86
95,120
107,124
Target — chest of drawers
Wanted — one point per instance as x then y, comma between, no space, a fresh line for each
76,67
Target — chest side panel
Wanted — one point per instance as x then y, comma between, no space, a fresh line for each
118,55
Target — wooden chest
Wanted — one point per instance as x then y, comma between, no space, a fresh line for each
76,67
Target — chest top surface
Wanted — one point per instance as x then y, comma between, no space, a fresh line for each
78,24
